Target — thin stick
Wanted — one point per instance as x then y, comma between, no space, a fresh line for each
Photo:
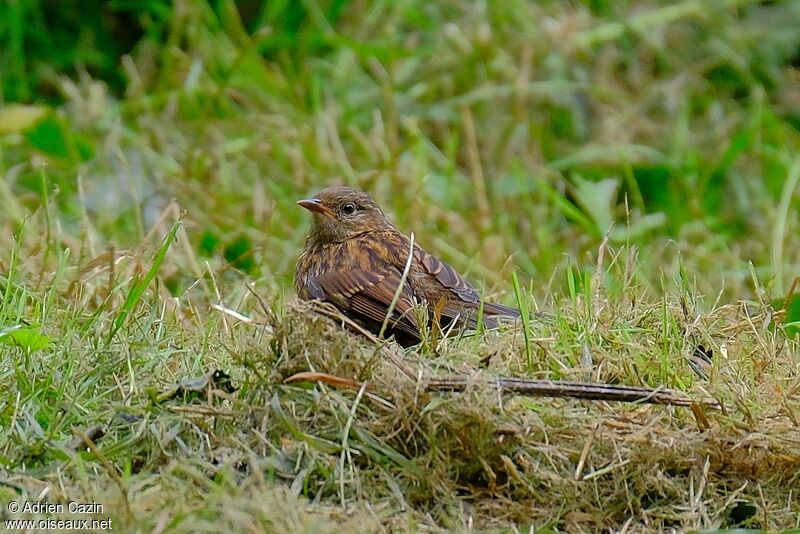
536,388
578,390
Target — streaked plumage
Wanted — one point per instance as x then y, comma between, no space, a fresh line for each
354,257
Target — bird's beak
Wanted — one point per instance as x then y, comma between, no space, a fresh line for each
314,205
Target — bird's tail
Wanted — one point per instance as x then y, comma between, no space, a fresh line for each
499,309
467,314
494,314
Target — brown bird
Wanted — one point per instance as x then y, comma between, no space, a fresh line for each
354,258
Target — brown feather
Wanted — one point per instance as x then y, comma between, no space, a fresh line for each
355,258
368,295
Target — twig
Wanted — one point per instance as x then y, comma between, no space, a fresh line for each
538,388
578,390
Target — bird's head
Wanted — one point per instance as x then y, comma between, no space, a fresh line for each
341,213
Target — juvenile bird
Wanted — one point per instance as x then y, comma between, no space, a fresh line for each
354,258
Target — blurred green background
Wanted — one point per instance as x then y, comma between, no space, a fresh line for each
506,134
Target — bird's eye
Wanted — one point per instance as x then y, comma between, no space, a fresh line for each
349,208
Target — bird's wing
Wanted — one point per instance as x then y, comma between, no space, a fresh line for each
367,294
448,277
468,298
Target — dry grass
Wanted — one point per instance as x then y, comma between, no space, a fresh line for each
393,456
490,460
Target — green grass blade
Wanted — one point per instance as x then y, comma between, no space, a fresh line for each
139,285
522,304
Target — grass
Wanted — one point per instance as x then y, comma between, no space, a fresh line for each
625,171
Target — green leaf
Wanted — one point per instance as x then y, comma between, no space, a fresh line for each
636,229
53,138
792,320
29,338
597,199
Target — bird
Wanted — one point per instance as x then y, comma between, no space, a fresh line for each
355,258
